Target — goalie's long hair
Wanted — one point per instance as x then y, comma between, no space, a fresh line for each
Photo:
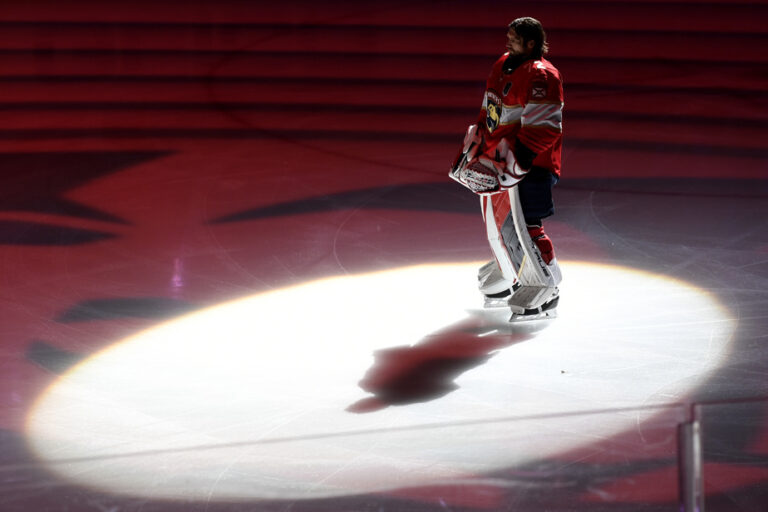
530,29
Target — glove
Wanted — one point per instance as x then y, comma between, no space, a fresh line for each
472,142
479,178
470,147
468,170
489,171
502,160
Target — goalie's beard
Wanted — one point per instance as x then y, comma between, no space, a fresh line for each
514,61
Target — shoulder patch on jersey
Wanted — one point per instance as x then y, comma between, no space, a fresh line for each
493,111
539,90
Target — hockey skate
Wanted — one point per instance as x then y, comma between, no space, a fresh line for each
490,279
546,311
497,300
496,289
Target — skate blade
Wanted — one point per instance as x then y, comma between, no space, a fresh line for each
543,315
496,303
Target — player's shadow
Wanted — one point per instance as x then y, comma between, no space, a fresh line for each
428,370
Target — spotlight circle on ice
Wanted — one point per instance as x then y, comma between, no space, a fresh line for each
255,398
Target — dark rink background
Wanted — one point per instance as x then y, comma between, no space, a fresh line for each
162,159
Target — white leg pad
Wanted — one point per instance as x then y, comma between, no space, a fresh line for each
519,259
491,281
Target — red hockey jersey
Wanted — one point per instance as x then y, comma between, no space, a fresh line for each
525,105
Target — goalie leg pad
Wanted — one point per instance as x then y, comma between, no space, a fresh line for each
520,258
492,282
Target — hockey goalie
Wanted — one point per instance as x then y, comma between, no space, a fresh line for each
511,159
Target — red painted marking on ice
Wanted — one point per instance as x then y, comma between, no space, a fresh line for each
477,496
660,486
657,486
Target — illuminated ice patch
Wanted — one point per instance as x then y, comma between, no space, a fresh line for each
248,399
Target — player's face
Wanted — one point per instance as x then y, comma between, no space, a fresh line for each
515,44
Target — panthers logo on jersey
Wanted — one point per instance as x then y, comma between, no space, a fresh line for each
492,111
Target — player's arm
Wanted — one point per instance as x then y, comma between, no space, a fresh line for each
466,168
479,176
541,122
540,127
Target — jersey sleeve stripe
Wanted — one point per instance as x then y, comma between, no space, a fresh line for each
511,115
543,114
